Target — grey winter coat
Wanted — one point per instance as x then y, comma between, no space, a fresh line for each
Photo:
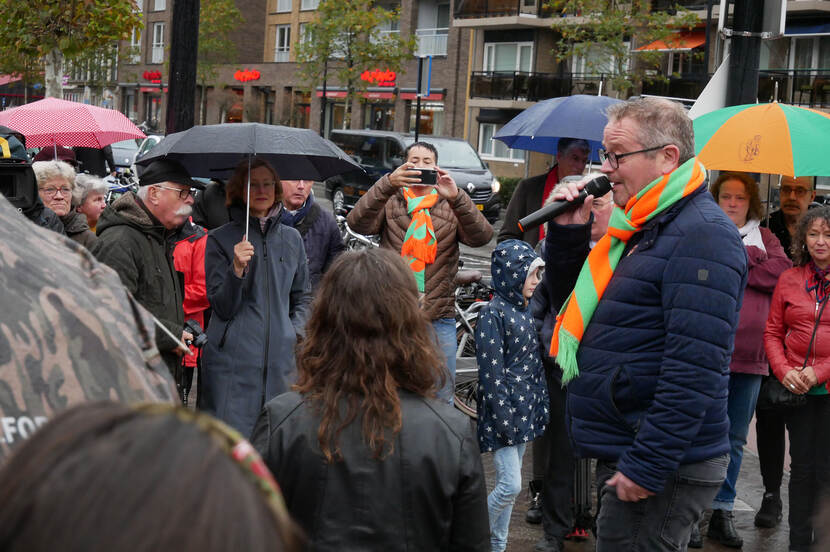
256,321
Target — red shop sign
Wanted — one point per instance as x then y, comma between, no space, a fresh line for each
380,78
246,75
152,76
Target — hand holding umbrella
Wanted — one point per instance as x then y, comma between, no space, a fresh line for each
243,252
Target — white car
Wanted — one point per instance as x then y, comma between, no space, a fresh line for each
147,144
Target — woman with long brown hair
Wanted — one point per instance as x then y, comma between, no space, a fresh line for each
366,456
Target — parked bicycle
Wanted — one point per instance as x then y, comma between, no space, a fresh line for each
351,239
471,295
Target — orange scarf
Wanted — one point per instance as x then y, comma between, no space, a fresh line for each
419,245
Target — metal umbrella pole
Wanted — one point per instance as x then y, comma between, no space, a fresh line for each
248,203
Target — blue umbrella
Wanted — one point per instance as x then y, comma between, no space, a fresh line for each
540,126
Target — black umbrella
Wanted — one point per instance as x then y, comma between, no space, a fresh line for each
214,151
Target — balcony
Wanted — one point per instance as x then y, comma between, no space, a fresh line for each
804,87
472,9
431,42
532,87
687,86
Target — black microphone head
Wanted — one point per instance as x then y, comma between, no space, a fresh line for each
598,186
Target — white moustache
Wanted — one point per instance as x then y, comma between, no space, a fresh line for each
184,211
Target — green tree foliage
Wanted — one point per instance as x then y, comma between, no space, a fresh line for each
346,39
55,30
598,31
217,20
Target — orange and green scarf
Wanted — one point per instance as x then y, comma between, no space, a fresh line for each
419,244
577,311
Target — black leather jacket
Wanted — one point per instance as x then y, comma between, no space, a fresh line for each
429,494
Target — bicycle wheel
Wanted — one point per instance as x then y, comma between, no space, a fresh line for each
466,341
466,389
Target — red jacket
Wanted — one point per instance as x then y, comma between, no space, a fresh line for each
189,259
790,325
764,270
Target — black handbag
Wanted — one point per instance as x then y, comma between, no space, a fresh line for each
773,394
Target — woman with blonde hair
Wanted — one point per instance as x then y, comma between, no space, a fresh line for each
367,457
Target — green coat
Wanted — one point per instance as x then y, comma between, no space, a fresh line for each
134,243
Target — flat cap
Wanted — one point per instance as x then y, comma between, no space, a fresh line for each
167,170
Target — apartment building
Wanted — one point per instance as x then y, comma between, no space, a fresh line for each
512,66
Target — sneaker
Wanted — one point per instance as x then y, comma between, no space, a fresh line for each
695,540
534,511
771,511
722,529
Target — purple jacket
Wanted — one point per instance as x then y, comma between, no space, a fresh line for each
764,269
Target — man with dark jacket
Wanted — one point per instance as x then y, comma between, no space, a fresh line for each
530,194
645,337
425,225
97,161
134,239
321,236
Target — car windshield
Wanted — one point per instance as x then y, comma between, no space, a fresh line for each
453,154
124,152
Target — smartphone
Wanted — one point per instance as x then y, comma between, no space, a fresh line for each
429,177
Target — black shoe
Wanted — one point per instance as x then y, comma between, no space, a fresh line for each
534,511
695,540
722,529
771,511
548,545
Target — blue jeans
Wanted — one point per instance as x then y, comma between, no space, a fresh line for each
508,463
662,522
743,394
445,332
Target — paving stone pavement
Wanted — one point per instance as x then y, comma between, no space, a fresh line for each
524,536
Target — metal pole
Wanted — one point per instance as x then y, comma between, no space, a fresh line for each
248,203
707,47
323,101
418,98
745,53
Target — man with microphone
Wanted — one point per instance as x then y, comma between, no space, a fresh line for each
646,332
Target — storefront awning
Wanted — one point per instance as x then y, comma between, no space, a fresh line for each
6,79
682,41
806,29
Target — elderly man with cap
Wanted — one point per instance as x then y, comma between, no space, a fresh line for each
134,239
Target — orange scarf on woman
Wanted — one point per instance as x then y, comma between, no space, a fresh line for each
419,244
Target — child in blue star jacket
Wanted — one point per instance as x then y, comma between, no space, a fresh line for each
512,394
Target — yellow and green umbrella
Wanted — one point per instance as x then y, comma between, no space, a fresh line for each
765,138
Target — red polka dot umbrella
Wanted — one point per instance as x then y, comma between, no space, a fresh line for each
53,121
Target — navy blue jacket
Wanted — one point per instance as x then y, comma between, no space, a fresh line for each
257,319
512,393
654,360
321,238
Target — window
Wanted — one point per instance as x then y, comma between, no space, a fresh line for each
157,54
283,6
508,57
159,5
495,149
135,47
303,33
595,61
309,4
283,43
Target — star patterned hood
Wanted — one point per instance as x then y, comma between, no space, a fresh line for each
510,263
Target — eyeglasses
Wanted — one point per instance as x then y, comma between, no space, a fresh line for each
50,192
614,158
789,190
183,194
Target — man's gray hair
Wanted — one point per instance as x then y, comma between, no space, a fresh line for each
142,192
661,122
565,144
86,184
48,170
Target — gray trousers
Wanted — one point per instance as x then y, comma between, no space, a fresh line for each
662,522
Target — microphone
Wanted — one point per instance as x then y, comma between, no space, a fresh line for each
597,187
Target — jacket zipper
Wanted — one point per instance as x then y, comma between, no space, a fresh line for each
267,317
